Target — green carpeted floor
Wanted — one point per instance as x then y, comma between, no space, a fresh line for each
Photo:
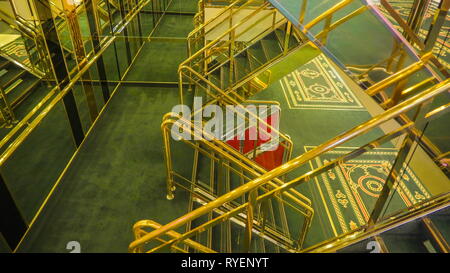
118,176
183,6
117,179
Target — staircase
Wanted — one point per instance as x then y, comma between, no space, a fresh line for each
247,218
240,61
16,85
220,167
235,204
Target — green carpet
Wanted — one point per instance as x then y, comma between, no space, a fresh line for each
351,189
177,26
118,176
117,179
317,105
184,6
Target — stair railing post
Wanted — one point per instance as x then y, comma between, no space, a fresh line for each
304,230
263,215
252,205
286,37
301,17
231,56
326,28
436,25
168,160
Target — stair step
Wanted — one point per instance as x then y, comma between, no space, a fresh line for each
12,86
281,36
22,91
10,77
256,56
3,72
413,237
4,63
271,46
242,66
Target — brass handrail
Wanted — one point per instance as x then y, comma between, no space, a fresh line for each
298,161
139,226
227,152
229,7
198,53
223,149
31,126
229,98
328,13
399,76
24,29
413,35
289,185
218,39
275,24
412,213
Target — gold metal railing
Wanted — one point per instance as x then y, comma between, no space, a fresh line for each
398,75
197,37
213,55
400,93
412,37
198,57
401,76
17,136
238,164
140,227
37,66
221,96
170,118
228,2
414,103
412,213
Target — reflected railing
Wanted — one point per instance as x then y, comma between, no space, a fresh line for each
419,104
389,75
28,41
221,49
58,123
414,212
198,57
428,30
325,24
340,30
227,2
141,228
197,38
412,37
